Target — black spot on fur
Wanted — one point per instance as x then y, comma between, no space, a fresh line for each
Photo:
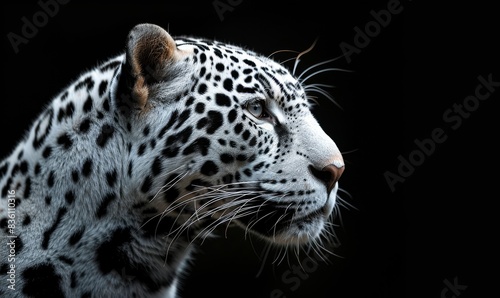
50,179
84,126
42,280
238,128
248,62
258,166
231,116
48,233
76,237
199,145
201,123
203,57
102,87
23,167
106,134
74,176
190,101
40,136
242,89
215,121
252,142
203,70
47,151
27,188
247,172
4,223
202,89
218,53
110,255
130,167
169,124
171,144
226,158
38,168
228,84
87,106
26,220
245,135
87,167
103,206
141,149
222,99
105,105
87,82
69,196
209,168
14,170
182,118
220,67
200,108
65,141
146,184
64,96
156,167
66,112
111,178
145,131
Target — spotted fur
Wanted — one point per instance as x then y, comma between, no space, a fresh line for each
149,152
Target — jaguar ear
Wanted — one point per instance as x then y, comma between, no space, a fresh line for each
150,52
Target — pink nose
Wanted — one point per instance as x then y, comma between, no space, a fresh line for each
334,173
329,175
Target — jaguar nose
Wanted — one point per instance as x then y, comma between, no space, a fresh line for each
329,175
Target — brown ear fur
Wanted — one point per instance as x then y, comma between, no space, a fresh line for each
149,50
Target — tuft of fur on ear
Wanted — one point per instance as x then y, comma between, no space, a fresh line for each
150,51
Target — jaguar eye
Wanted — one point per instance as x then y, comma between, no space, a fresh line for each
256,108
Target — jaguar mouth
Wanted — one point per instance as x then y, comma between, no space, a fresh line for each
285,225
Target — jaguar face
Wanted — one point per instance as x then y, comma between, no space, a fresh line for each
240,135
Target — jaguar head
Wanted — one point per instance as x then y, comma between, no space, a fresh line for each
235,140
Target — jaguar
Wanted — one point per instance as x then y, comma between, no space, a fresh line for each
143,156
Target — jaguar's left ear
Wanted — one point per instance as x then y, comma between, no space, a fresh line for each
151,54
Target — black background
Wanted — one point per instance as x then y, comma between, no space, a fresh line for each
439,224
